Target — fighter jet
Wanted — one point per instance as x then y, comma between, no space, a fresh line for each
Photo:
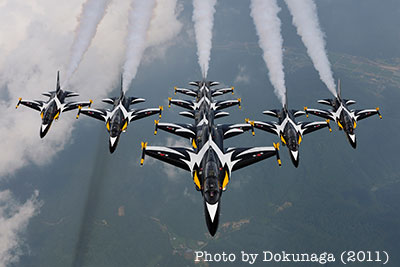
209,163
346,119
211,166
50,110
203,93
118,118
290,132
203,114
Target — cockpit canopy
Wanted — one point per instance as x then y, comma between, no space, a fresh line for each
292,139
116,122
211,190
49,113
347,122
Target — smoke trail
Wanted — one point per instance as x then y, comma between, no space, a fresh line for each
139,21
203,18
305,18
268,26
92,13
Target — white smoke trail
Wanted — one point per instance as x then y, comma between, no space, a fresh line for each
91,15
305,19
139,21
203,18
268,26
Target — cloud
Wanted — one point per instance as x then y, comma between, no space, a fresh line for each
14,219
242,76
32,48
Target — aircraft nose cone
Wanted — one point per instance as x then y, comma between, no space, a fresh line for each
113,142
352,140
44,129
294,155
212,217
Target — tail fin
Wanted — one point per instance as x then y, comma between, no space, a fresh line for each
285,105
122,85
339,90
58,87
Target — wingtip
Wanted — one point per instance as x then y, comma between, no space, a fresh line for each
144,145
19,102
379,114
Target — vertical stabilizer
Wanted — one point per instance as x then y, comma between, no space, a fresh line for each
58,87
285,105
122,86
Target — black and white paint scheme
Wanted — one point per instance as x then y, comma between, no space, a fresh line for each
209,162
51,109
345,118
120,115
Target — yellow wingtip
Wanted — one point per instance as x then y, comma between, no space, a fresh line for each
144,145
141,162
276,145
279,162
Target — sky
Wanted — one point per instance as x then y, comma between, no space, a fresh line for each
36,41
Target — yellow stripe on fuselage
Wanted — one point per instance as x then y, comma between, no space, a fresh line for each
196,180
226,181
283,139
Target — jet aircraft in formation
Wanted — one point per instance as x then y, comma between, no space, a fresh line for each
209,162
118,118
346,119
288,130
50,110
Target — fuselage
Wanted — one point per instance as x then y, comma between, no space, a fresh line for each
51,111
117,121
289,134
210,174
345,120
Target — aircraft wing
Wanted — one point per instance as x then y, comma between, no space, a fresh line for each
227,103
272,112
177,156
34,104
99,114
74,105
308,127
182,103
242,157
266,126
320,113
218,92
189,92
230,130
142,113
365,113
180,129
